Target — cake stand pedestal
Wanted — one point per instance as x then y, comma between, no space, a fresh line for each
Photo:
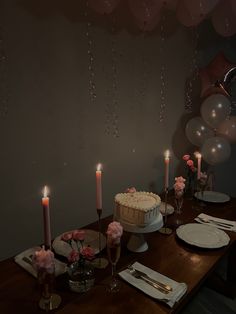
137,242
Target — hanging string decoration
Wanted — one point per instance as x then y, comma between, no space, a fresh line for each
163,71
194,74
112,118
91,67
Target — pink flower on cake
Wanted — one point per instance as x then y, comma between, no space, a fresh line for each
78,235
44,260
130,190
114,233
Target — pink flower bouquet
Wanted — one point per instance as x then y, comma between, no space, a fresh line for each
82,252
44,260
114,233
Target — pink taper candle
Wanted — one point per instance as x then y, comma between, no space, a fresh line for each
99,187
199,160
46,219
167,162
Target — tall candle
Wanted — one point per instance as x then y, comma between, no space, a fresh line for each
99,187
46,218
167,165
199,160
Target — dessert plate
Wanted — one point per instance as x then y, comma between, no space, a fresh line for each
212,197
91,239
203,236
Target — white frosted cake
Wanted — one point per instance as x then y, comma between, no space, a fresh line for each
139,208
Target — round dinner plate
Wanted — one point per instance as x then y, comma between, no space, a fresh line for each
202,235
212,197
90,239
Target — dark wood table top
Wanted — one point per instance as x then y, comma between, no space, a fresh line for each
166,254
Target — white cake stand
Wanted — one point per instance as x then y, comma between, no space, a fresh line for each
137,242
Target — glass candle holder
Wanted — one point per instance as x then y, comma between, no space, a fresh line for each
113,253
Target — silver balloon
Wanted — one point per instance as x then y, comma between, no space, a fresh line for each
228,128
197,131
215,109
215,150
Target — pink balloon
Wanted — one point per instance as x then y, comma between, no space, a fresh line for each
200,7
228,128
103,6
223,19
186,17
145,10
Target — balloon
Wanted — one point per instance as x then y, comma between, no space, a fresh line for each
145,10
214,76
215,150
103,6
228,128
215,109
223,19
228,79
197,131
186,17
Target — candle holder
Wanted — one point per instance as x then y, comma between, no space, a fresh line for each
165,229
100,262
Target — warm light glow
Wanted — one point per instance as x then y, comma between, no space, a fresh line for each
167,154
45,191
213,114
99,167
197,155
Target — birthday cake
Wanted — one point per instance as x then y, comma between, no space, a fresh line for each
138,208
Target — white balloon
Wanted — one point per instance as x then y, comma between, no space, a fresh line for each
215,150
228,128
215,109
197,131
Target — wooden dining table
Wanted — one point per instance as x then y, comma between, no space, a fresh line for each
166,254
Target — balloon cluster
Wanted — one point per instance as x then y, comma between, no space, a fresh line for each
214,129
189,12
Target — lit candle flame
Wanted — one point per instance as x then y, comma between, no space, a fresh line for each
99,167
167,154
197,155
45,191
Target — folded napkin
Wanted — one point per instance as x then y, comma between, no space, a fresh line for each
24,259
211,220
179,289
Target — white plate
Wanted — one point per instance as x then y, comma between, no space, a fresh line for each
91,238
212,197
169,209
202,235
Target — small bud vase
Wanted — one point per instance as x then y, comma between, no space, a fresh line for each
48,300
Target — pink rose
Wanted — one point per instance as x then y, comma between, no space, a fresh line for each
190,163
114,233
44,260
78,235
73,256
66,236
186,157
130,190
87,252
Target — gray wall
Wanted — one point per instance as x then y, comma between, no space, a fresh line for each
53,134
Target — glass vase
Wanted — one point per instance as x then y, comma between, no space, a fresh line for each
81,276
48,300
179,200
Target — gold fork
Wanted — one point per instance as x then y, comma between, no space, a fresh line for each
156,284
